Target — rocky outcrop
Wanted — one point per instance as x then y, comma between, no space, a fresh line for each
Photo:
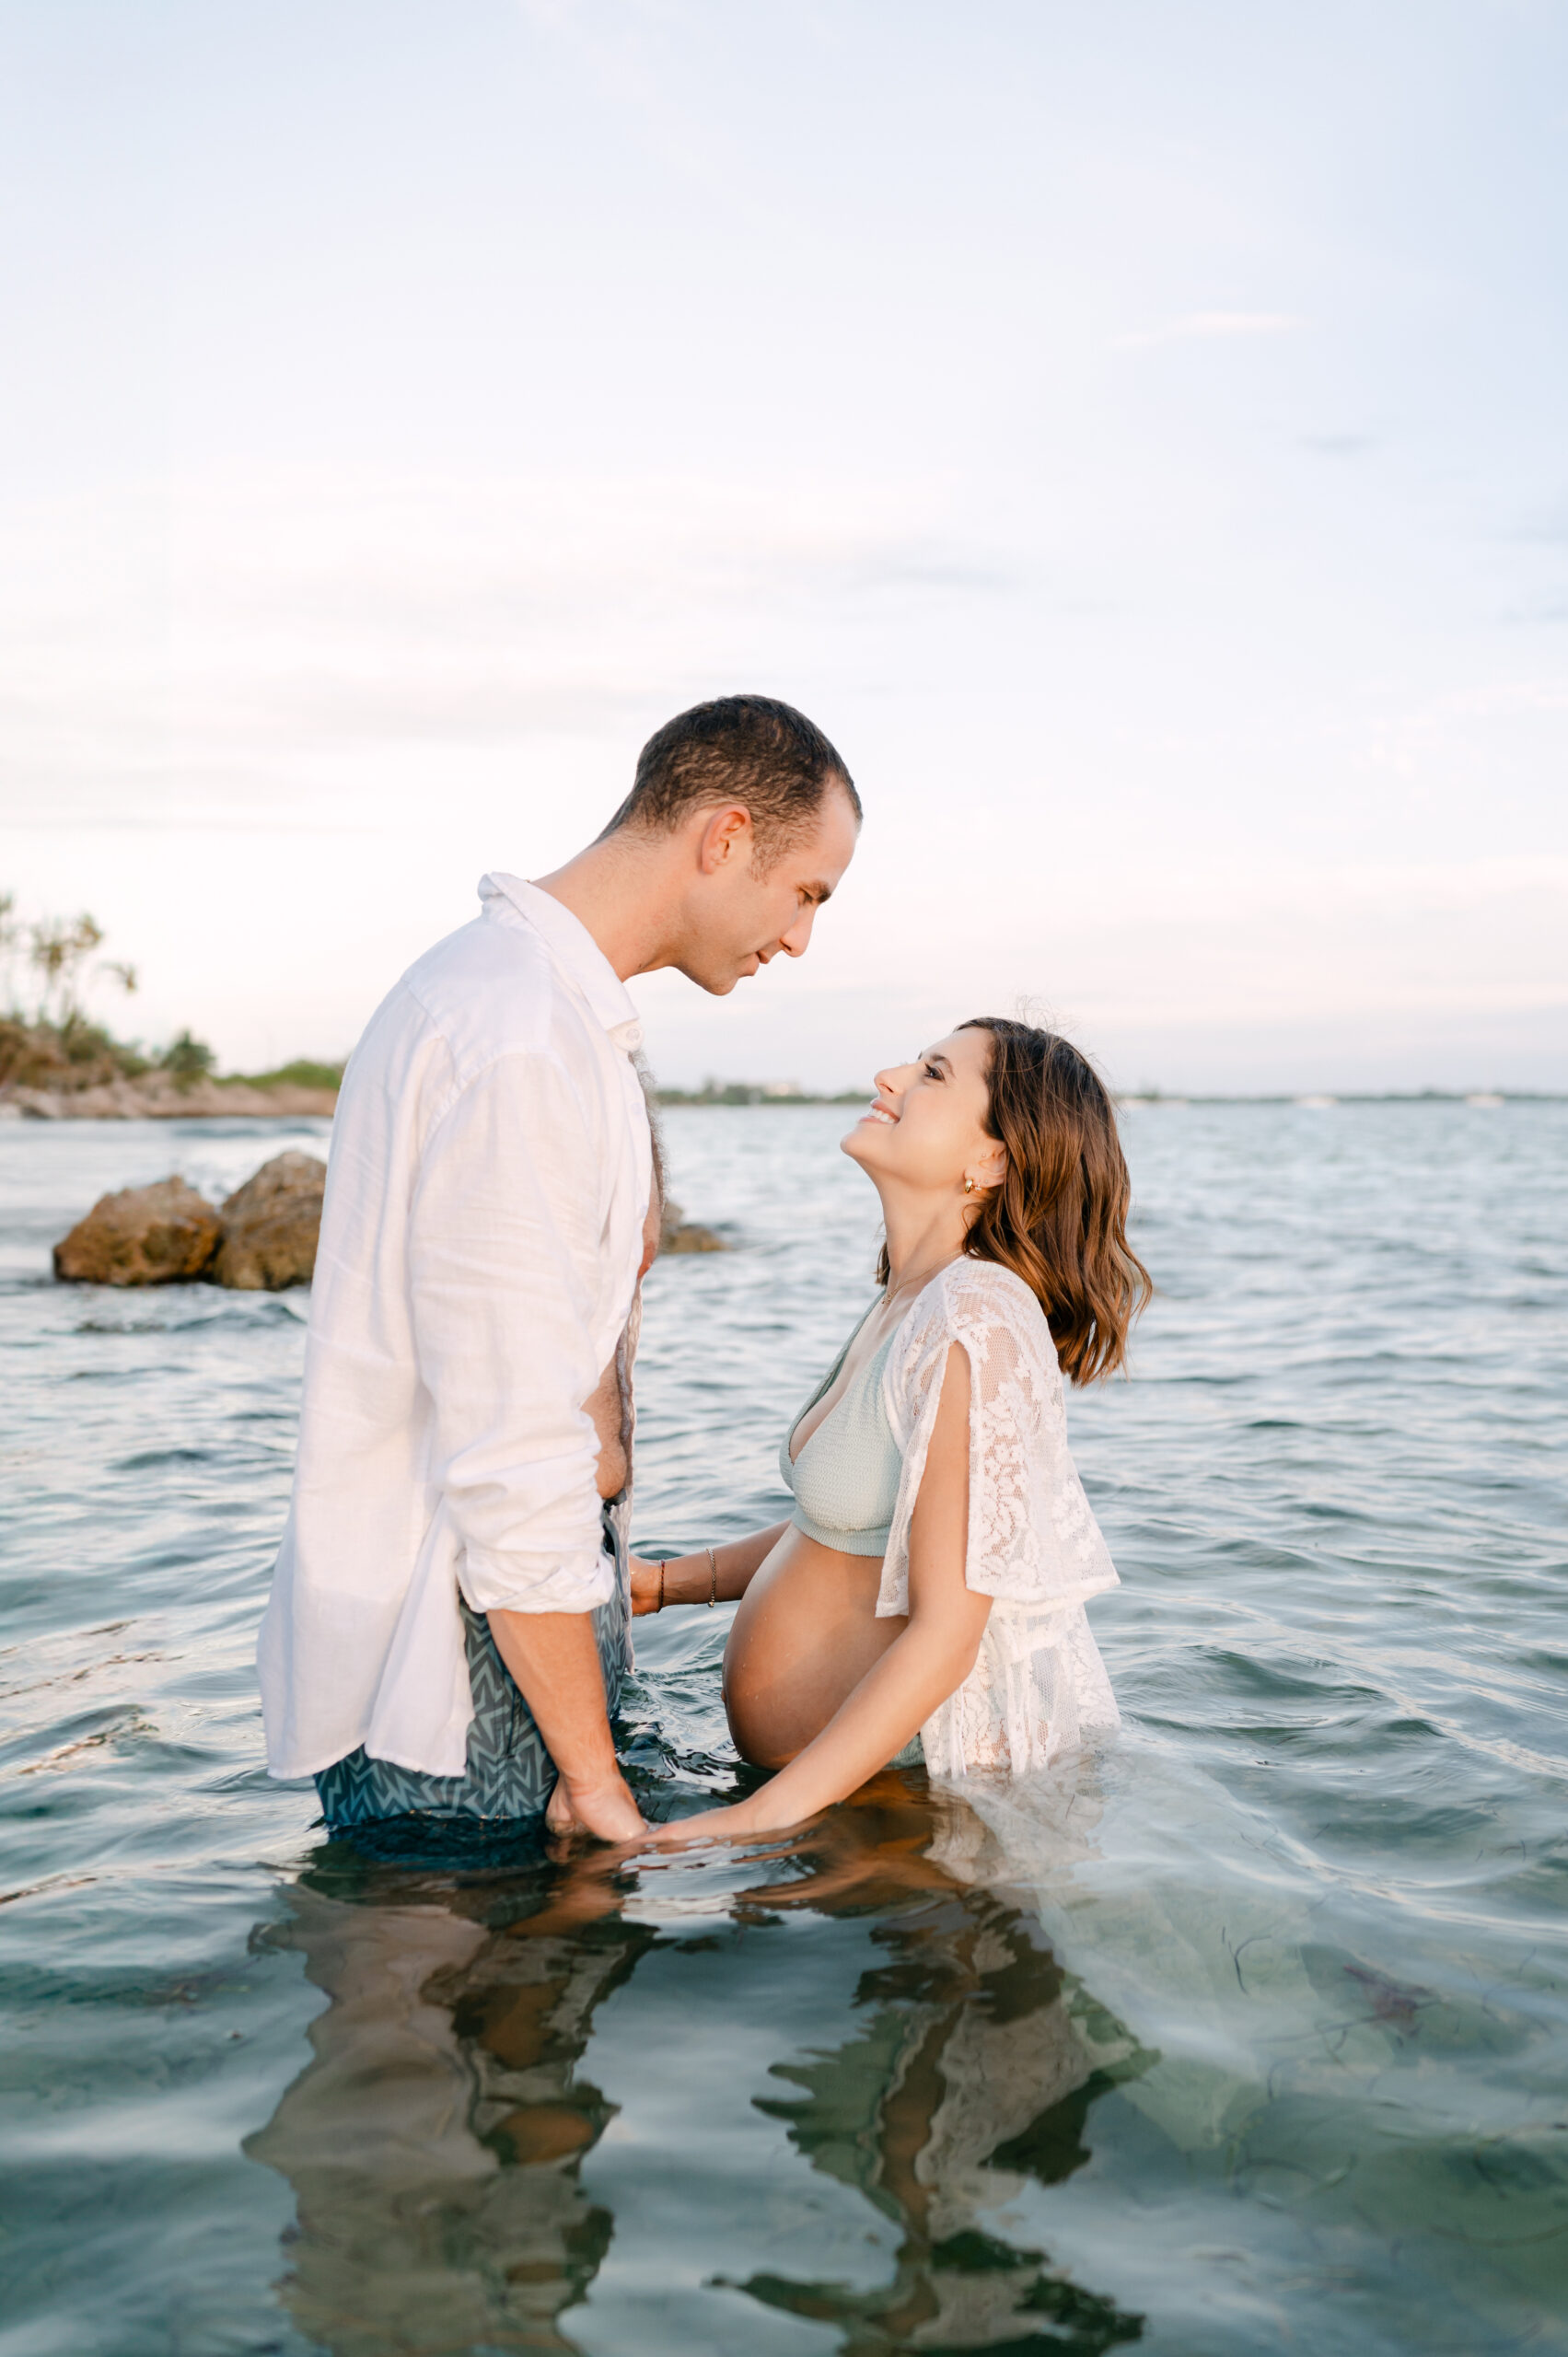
678,1234
263,1238
271,1224
144,1235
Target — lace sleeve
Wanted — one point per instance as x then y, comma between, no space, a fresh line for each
1032,1536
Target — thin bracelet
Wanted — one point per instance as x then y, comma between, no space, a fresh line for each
713,1584
659,1606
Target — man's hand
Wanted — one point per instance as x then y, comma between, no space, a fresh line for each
603,1808
554,1661
647,1586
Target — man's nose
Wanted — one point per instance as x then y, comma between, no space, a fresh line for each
799,934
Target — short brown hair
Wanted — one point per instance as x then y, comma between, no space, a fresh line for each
1058,1218
749,750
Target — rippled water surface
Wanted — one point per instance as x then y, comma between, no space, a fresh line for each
1251,2035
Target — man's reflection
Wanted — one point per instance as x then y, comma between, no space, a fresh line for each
436,2142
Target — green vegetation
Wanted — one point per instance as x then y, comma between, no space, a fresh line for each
302,1073
64,1056
187,1060
51,1042
48,972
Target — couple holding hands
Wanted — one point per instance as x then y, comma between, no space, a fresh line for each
449,1619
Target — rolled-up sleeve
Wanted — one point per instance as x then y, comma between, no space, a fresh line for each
503,1226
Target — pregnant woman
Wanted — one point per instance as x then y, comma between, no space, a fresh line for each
932,1580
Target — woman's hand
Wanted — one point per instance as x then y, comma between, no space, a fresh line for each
717,1575
648,1582
738,1823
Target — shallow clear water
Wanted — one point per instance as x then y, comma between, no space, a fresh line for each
1251,2036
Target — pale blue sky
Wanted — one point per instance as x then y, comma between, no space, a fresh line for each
1134,432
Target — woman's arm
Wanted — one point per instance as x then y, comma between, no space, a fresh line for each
924,1665
693,1579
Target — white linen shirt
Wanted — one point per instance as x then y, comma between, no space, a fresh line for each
487,1185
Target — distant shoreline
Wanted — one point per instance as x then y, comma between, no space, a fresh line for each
158,1098
744,1094
73,1070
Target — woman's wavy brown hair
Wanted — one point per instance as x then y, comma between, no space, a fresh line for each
1059,1217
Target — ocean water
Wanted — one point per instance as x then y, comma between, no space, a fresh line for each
1250,2034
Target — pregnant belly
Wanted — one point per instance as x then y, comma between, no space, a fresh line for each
803,1636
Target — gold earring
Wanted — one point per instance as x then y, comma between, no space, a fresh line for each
968,1186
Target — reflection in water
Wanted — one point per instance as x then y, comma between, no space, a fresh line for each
974,2072
436,2141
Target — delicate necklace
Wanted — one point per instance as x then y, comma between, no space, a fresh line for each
923,1278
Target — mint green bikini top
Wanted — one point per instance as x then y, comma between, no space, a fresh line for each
846,1480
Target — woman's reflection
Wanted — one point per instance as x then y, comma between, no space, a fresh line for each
435,2141
974,2073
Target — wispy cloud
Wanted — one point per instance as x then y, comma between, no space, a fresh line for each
1550,524
1211,327
256,648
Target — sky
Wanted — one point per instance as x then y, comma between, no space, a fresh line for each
1133,431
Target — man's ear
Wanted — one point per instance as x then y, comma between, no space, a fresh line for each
726,839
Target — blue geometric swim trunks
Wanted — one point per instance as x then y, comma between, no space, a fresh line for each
509,1774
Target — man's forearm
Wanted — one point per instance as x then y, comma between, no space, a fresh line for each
554,1659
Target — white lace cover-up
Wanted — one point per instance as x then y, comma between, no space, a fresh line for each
1039,1688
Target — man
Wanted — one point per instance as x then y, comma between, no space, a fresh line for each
446,1628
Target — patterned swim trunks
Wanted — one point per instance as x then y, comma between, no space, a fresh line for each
509,1774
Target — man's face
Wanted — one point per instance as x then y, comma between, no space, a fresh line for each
739,919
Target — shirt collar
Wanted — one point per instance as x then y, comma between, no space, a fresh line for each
574,949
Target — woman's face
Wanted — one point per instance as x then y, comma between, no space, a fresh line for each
926,1125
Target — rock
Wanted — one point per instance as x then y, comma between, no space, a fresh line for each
676,1234
271,1224
144,1235
690,1236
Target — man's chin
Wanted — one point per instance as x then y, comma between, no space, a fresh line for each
722,986
716,985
